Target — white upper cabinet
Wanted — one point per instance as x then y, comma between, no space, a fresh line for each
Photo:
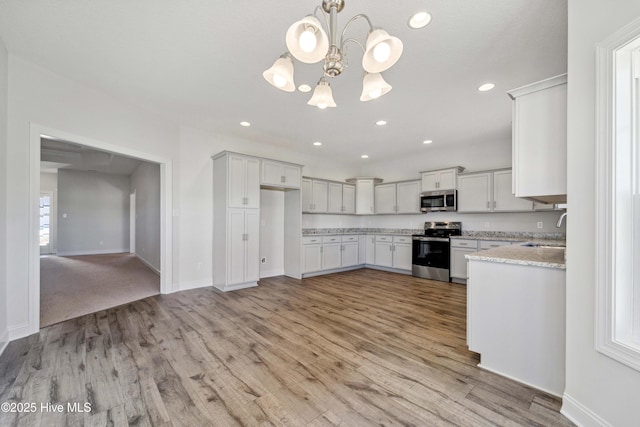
280,174
364,194
244,181
315,197
385,199
348,199
474,192
503,198
444,179
408,197
334,198
540,140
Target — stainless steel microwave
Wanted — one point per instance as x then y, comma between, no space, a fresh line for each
438,201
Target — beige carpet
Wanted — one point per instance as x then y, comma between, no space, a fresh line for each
74,286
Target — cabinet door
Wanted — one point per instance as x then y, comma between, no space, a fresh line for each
334,198
331,255
349,199
306,195
384,254
474,192
236,256
362,249
349,254
319,196
459,262
252,183
252,243
402,256
271,172
385,199
237,181
312,258
408,197
364,197
429,181
371,250
447,179
291,176
503,199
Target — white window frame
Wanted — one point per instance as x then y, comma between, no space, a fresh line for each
617,191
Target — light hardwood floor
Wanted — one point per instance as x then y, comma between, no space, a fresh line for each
352,349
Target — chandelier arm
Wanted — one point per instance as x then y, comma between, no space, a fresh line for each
361,15
324,14
344,43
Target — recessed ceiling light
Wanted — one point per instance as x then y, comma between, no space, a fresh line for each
381,122
304,88
365,156
317,143
427,141
485,87
420,20
245,124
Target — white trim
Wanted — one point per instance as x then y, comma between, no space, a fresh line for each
579,414
166,217
237,286
148,264
272,273
195,284
93,252
516,379
20,331
606,198
4,340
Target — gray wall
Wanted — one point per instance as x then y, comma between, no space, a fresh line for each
145,182
595,384
49,182
97,213
3,196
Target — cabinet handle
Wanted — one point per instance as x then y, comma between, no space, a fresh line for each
494,204
487,205
283,179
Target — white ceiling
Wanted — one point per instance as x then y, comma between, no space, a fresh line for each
201,62
55,154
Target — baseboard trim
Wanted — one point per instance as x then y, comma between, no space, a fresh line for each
93,252
334,270
227,288
537,387
579,414
271,273
148,264
4,340
195,284
20,331
389,269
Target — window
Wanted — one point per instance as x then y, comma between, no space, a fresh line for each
618,197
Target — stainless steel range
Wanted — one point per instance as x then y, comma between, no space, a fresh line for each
431,256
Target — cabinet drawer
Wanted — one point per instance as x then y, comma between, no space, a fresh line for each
350,238
331,239
402,239
490,244
463,243
384,238
309,240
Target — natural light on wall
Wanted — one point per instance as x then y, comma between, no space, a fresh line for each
618,196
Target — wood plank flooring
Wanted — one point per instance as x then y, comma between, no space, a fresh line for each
360,348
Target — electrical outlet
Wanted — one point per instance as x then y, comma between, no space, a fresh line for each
540,224
263,260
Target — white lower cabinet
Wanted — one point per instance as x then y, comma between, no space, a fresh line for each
459,248
312,257
331,255
393,252
322,253
243,258
349,254
370,256
384,251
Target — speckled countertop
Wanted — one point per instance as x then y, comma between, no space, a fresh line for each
549,257
340,231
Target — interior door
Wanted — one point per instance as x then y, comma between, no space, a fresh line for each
46,204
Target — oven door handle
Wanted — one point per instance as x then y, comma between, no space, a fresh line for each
430,239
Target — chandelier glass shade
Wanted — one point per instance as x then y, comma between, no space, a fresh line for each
308,42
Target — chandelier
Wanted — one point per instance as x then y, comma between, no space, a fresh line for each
308,42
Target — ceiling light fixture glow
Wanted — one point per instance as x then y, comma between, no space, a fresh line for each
420,20
364,156
317,143
427,141
245,124
304,88
485,87
308,42
381,122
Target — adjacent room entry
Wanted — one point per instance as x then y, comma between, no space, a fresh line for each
99,230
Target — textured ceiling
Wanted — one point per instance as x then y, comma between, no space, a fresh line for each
201,62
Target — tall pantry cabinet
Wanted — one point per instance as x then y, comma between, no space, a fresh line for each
236,224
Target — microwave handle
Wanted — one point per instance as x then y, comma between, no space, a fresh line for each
445,201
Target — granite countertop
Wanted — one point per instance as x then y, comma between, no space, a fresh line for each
342,231
537,256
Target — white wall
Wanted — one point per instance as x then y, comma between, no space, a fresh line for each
272,232
93,213
145,182
595,385
39,96
49,182
4,302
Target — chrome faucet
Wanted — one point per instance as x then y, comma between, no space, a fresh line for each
562,217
